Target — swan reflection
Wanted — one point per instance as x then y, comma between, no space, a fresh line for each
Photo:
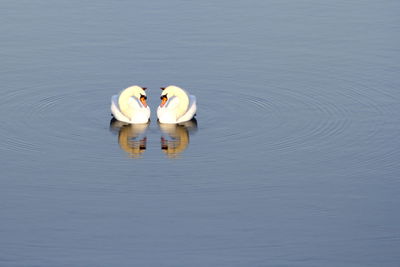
131,137
176,137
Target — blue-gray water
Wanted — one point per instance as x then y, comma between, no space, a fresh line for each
294,160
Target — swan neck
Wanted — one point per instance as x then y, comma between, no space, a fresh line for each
123,101
183,102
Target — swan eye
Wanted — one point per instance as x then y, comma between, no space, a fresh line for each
143,96
163,96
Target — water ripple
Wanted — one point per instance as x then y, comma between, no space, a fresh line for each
282,119
285,119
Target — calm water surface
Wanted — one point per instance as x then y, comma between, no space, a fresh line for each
293,159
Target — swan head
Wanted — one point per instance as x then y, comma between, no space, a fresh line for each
142,96
143,99
139,93
168,92
164,95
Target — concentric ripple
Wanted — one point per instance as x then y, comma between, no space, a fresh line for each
45,120
314,116
273,119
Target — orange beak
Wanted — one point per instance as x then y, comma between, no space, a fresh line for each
143,100
163,101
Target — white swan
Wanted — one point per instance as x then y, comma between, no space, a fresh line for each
130,105
176,105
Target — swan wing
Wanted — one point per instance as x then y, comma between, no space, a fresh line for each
116,111
191,111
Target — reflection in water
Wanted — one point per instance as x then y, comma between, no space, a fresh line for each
131,137
177,137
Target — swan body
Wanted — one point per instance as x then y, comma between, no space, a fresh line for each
130,105
177,105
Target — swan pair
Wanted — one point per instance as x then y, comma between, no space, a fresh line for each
176,105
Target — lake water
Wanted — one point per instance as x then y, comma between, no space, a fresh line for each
294,159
